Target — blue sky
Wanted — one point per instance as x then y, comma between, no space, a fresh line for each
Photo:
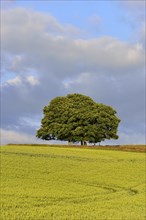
52,48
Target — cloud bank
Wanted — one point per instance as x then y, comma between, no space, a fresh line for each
43,59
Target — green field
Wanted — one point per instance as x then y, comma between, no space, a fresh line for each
55,183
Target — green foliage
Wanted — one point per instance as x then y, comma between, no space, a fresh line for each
42,183
78,118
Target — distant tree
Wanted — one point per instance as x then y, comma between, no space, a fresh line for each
77,118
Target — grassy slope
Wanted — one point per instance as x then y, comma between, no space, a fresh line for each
67,183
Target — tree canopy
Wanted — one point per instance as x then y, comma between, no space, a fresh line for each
77,118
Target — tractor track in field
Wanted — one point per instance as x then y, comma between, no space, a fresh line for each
47,156
56,156
108,189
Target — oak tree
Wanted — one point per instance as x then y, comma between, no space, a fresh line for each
77,118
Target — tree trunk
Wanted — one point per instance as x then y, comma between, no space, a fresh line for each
81,142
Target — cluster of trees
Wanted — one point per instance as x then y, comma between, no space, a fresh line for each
77,118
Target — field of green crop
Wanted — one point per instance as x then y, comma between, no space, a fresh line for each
42,183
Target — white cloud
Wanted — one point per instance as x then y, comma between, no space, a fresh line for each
32,80
17,81
134,15
127,138
43,50
15,137
16,61
82,78
131,138
10,136
14,82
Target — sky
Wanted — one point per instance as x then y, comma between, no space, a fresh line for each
54,48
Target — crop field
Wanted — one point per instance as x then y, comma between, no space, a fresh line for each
60,183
